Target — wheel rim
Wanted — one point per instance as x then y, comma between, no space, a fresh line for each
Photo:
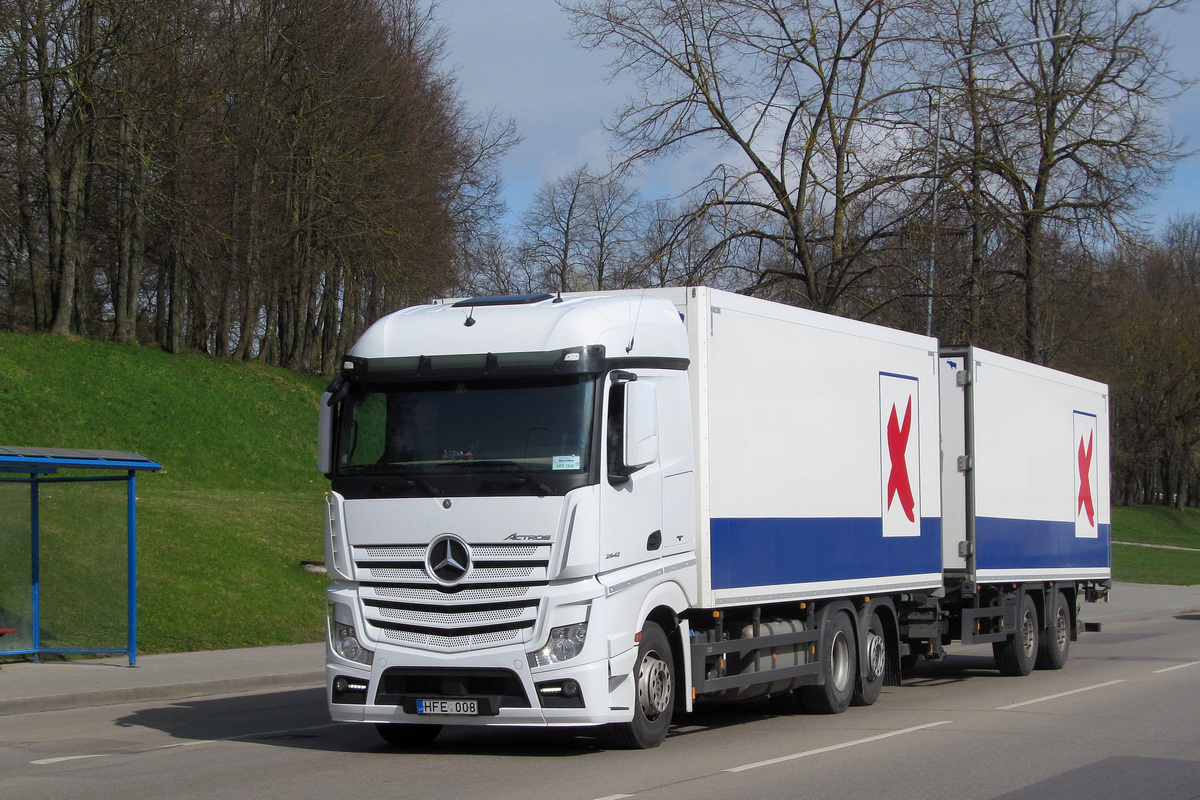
876,655
1061,625
1029,633
839,662
654,685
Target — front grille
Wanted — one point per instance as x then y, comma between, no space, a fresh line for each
402,686
495,604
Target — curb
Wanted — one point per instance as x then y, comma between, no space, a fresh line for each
171,691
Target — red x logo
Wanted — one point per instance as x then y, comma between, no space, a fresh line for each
898,483
1085,481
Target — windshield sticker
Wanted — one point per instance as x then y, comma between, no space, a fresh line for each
567,462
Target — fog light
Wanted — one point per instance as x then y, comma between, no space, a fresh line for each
348,690
560,694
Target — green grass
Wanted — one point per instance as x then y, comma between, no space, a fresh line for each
1162,526
223,527
1151,565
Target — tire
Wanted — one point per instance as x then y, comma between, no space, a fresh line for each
839,672
406,735
654,682
1056,637
1016,655
867,689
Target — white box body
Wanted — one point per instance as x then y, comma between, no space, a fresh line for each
799,494
1033,501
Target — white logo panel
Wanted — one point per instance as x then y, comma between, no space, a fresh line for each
900,456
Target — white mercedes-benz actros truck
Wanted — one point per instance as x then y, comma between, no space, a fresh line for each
595,509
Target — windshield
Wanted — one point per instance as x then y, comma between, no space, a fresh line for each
515,426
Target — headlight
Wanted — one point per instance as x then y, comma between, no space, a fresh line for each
565,642
343,639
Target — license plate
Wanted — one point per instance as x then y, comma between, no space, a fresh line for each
461,708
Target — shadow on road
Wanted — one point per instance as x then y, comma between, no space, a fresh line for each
299,719
1119,776
951,669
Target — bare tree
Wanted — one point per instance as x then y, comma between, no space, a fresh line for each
814,105
1153,363
244,178
552,238
1061,139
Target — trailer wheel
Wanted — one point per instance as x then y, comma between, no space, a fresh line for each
1056,638
406,735
871,683
654,679
839,671
1017,654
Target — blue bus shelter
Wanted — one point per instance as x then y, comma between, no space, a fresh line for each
38,467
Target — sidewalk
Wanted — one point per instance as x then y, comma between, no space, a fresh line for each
54,685
1130,601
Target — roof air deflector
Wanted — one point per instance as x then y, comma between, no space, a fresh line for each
504,300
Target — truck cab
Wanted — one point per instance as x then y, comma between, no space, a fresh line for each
510,501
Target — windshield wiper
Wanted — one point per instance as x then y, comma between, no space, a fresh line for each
511,468
414,478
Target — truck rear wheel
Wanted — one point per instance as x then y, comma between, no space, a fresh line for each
654,682
406,735
876,660
1017,654
839,671
1056,638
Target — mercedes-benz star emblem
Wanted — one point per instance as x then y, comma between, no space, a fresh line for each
448,559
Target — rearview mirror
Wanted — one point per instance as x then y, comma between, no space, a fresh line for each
640,445
325,436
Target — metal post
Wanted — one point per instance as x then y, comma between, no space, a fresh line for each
131,553
35,558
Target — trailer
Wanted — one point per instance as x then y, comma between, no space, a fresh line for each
600,509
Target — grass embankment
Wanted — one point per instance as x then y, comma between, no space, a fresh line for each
1160,526
223,527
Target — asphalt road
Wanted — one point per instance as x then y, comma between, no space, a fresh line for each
1122,720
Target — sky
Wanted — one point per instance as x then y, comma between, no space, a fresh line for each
516,57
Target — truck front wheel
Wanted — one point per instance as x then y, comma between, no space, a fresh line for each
1017,654
832,695
654,681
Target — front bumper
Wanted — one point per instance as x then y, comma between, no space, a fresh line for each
501,681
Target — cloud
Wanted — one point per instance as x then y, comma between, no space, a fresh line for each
518,58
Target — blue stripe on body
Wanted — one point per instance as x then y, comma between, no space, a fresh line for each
1037,544
770,552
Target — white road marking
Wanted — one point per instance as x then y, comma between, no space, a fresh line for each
65,758
1056,696
191,743
831,748
1177,666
